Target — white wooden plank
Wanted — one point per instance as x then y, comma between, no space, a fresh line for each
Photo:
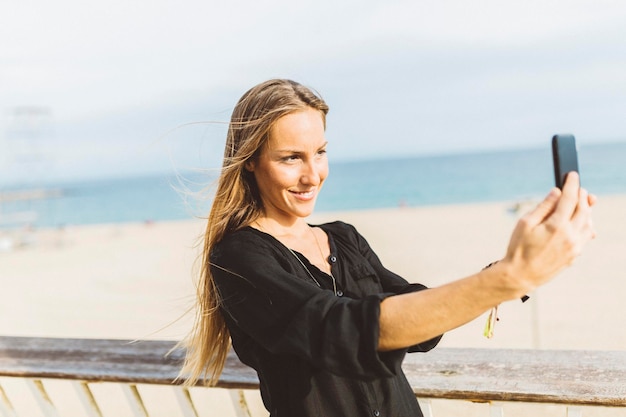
239,403
6,408
496,409
427,408
87,399
574,411
185,402
134,400
41,396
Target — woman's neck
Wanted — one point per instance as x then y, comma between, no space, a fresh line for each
286,229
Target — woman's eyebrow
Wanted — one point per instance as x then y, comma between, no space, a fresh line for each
287,150
293,150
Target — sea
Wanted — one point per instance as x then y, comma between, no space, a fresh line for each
508,176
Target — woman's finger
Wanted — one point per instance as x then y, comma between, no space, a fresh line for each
582,214
581,223
593,199
569,199
543,209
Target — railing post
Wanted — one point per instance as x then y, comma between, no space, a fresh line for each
87,399
43,400
186,403
574,411
134,400
496,410
426,407
6,408
240,403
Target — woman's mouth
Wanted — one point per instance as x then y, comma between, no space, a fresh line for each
303,195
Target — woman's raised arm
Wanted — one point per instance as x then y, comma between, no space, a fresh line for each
545,241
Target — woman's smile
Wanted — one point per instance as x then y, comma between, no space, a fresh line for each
304,195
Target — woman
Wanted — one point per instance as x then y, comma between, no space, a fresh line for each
311,308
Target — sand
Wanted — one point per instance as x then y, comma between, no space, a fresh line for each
135,281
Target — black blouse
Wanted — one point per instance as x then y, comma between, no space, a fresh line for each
315,352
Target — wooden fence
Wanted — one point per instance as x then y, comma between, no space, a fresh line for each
574,379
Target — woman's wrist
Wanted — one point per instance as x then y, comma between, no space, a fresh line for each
504,281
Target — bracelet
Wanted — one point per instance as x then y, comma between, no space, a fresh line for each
491,323
493,314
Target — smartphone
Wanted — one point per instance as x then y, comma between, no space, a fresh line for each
564,156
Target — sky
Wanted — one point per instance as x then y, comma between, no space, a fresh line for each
133,87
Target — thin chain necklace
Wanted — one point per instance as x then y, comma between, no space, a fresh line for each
319,247
302,263
311,275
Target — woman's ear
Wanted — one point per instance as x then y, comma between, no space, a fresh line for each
250,165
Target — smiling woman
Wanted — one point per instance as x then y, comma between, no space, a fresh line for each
311,308
291,167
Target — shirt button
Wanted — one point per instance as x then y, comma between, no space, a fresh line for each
339,293
332,259
376,413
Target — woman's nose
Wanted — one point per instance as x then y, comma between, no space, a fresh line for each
310,173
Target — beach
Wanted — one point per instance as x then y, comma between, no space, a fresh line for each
136,280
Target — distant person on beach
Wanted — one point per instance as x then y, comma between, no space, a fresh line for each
311,307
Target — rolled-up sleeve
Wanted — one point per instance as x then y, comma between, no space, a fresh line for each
285,314
392,283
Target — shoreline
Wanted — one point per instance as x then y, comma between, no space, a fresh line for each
515,206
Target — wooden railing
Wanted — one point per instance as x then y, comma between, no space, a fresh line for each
573,379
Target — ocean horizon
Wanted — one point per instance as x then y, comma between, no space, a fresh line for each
511,176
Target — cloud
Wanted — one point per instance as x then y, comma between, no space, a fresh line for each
492,22
401,77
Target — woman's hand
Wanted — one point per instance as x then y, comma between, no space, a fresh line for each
550,237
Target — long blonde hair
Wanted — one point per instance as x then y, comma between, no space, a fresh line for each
236,204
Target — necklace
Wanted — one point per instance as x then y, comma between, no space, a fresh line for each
311,275
302,263
319,247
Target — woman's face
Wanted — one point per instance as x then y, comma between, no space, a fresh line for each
292,166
